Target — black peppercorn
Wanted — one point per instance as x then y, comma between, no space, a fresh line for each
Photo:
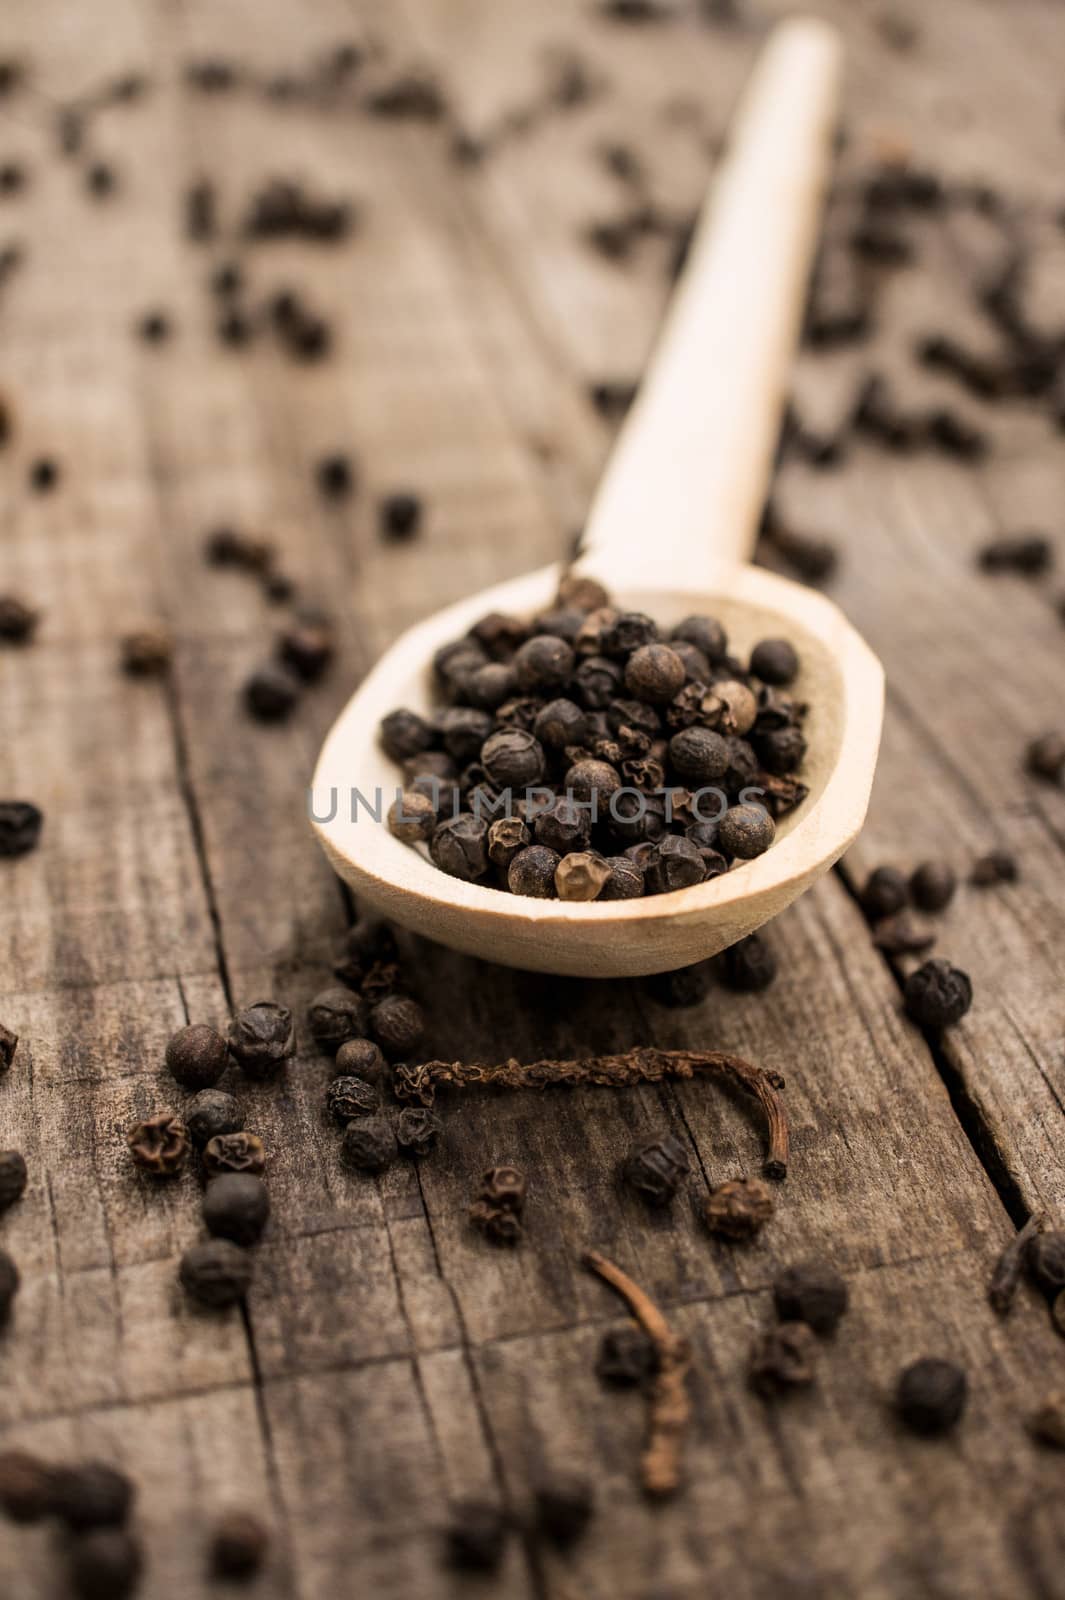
335,1016
210,1114
261,1037
937,995
490,685
775,661
361,1058
886,891
399,516
20,827
8,1046
543,663
931,1395
349,1097
25,1486
404,734
9,1285
593,782
476,1536
105,1564
216,1272
464,730
932,884
684,987
626,879
1027,553
239,1545
674,863
782,1359
564,1507
335,477
369,1145
160,1145
657,1169
13,1177
626,1357
596,682
271,693
654,673
506,837
308,646
397,1023
903,934
236,1206
234,1152
91,1495
746,831
706,634
532,872
18,622
459,846
563,826
698,755
417,1130
412,817
781,751
513,758
812,1292
629,631
196,1056
739,1209
749,966
1045,1261
998,866
1045,757
559,724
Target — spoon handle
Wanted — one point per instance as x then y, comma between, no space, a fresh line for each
685,486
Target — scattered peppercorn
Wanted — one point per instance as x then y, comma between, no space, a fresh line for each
782,1359
236,1206
100,180
212,1114
564,1506
91,1495
657,1169
147,653
932,884
687,986
1045,1261
105,1564
500,1203
13,1177
9,1284
18,621
234,1152
1028,553
216,1272
476,1536
1047,1422
1045,757
931,1395
361,1058
417,1130
749,965
239,1545
399,516
160,1145
196,1056
271,693
261,1037
905,933
739,1209
886,891
998,866
937,995
20,827
308,646
348,1098
626,1357
369,1144
335,1016
397,1023
812,1292
25,1486
335,477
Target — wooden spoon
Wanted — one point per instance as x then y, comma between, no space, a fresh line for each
673,521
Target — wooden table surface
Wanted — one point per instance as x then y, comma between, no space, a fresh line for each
390,1360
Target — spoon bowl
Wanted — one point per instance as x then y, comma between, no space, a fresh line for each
669,534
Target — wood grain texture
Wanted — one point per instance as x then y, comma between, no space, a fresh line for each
391,1360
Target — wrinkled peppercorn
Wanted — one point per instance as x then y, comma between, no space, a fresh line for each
812,1292
160,1145
886,891
397,1023
782,1359
563,1508
749,966
1045,1261
739,1209
239,1545
361,1058
937,995
459,846
932,884
931,1395
211,1114
476,1536
261,1037
674,863
236,1206
417,1130
336,1015
499,1204
13,1177
581,876
216,1272
657,1169
234,1152
626,881
348,1098
25,1486
91,1495
369,1144
20,827
197,1056
105,1564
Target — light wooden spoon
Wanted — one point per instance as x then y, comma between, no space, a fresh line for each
672,523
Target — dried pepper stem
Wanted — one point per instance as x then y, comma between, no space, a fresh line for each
667,1420
634,1066
1007,1273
